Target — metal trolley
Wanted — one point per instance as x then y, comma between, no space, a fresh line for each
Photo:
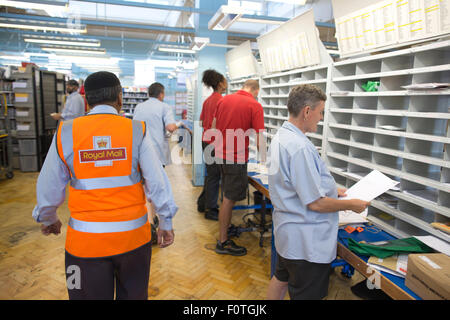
5,141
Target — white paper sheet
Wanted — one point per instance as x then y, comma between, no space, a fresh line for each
368,188
350,217
263,177
435,243
257,167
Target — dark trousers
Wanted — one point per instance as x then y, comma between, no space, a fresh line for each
210,194
306,280
98,278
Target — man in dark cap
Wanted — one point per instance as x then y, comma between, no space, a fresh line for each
112,167
74,106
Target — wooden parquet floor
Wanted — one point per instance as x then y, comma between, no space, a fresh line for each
32,265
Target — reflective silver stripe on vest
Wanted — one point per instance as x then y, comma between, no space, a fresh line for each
106,182
107,227
67,144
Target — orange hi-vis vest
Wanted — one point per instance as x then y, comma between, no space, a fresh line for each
108,214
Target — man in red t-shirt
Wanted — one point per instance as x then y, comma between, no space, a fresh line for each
237,117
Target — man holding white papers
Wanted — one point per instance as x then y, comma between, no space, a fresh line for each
305,200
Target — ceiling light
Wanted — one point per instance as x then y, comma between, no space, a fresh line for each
21,58
62,42
70,50
225,17
173,49
42,27
38,5
265,21
297,2
199,43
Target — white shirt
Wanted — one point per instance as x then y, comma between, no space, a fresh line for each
298,177
54,176
157,115
74,107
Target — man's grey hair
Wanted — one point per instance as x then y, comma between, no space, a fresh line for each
302,96
103,95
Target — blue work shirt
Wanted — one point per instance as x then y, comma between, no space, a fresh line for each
157,115
54,176
74,107
298,177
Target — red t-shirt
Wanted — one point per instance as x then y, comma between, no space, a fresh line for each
237,111
208,111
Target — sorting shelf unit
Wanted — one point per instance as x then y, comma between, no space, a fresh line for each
131,97
29,117
190,105
274,95
402,133
180,102
60,90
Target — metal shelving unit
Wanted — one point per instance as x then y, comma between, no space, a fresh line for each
131,97
7,120
274,95
402,133
36,96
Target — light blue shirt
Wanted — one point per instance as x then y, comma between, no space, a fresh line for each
298,177
74,107
157,115
54,176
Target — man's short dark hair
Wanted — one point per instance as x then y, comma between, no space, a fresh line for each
73,83
302,96
155,90
102,88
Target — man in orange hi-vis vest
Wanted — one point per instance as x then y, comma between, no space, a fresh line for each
111,165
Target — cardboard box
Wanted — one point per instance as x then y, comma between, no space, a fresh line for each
428,275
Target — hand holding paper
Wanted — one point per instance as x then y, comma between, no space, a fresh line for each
367,189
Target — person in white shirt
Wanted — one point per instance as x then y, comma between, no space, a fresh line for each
159,121
74,106
159,118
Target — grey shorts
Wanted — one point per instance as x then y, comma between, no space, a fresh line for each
306,280
234,181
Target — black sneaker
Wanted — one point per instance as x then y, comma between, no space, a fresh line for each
200,208
212,215
229,247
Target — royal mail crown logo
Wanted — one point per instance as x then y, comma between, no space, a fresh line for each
102,144
102,154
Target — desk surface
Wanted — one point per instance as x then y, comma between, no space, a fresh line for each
394,286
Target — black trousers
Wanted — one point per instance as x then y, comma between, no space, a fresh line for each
306,280
210,194
126,275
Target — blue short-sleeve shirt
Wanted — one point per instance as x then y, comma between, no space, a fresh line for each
298,177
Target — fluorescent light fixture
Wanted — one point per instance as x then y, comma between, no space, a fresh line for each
297,2
20,58
265,21
63,42
38,5
41,27
67,50
173,49
52,8
225,17
199,43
